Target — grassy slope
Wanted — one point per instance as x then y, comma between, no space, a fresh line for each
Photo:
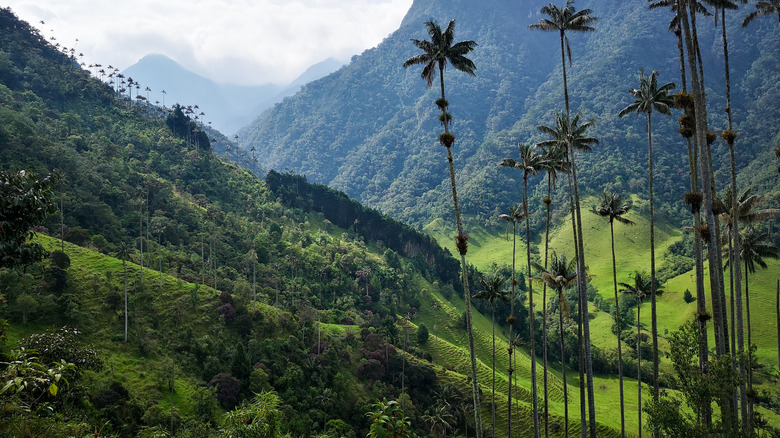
632,253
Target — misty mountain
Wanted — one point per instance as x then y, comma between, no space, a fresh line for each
227,106
370,129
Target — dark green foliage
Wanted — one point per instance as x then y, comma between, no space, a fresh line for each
295,191
62,345
228,388
25,202
688,296
422,334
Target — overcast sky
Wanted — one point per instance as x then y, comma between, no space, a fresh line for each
233,41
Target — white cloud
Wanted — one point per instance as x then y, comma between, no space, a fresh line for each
238,41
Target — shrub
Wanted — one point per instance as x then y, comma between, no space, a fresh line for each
422,334
228,388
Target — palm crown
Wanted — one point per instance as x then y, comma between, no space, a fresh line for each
613,207
568,134
440,50
563,19
649,96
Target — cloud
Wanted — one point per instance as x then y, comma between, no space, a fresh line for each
237,41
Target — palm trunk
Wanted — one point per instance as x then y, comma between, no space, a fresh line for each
531,318
777,314
124,268
653,315
584,311
544,314
462,248
639,364
617,321
511,325
745,404
706,176
493,400
563,365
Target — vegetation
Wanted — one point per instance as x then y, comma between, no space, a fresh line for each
151,287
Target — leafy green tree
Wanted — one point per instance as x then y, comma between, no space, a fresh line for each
262,417
389,421
26,304
25,202
440,420
650,97
422,334
438,52
492,292
613,208
561,274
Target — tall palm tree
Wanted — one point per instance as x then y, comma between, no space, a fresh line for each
438,52
649,97
641,288
570,135
515,215
531,162
613,208
492,292
745,206
554,161
763,7
756,246
124,251
562,20
561,274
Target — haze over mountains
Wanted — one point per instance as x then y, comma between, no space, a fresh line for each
370,129
229,107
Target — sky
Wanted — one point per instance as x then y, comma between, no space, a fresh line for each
245,42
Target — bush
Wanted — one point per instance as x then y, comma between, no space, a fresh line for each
422,334
228,388
688,297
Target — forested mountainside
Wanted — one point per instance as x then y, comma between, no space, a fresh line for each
370,128
183,286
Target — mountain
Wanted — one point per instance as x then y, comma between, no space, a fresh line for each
370,129
228,107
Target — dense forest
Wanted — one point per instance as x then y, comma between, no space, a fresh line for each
152,284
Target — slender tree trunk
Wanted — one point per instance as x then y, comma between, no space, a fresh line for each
462,248
563,366
617,321
584,311
544,314
639,364
62,221
141,236
745,404
777,315
124,268
493,400
534,390
706,174
512,324
653,314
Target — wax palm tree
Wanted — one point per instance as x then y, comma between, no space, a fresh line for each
763,7
531,162
642,287
123,251
650,97
554,161
613,208
515,215
570,135
756,246
440,420
561,274
562,20
438,52
492,292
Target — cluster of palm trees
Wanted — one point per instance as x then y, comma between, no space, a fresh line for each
557,155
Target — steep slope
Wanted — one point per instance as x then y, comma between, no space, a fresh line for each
370,129
238,287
